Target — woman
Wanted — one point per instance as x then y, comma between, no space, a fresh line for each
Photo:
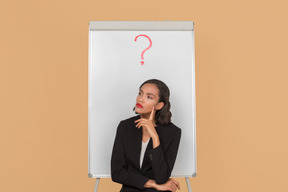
146,145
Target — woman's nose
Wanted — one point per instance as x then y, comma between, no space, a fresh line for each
141,98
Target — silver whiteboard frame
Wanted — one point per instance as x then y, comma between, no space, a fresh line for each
149,26
142,25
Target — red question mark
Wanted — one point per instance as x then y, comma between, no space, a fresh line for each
142,54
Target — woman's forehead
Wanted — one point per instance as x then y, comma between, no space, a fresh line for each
149,89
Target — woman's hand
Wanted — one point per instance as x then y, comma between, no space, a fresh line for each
148,124
170,185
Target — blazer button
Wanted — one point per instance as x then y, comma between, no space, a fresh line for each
150,156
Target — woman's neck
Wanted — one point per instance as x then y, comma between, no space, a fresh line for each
145,115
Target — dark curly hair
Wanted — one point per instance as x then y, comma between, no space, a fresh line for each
162,116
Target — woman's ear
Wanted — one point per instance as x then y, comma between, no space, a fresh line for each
159,106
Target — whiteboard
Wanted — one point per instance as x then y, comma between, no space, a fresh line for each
116,73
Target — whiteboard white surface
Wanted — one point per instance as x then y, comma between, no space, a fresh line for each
115,75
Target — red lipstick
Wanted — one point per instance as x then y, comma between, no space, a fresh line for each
138,105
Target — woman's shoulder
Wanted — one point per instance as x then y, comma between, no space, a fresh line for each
129,122
170,127
167,133
174,127
130,119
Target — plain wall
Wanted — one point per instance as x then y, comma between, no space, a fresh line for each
241,91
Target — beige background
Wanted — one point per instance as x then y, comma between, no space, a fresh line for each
241,91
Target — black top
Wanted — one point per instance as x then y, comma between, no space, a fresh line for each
157,163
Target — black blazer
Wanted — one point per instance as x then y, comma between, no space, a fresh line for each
157,163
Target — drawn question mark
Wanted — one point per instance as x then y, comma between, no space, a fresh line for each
142,54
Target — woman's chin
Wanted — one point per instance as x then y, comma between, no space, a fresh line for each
139,111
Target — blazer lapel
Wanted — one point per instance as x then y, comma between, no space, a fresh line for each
145,158
138,144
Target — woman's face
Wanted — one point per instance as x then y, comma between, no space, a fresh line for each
148,96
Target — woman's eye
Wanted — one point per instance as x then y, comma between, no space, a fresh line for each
148,96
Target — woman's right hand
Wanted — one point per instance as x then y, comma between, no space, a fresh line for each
170,185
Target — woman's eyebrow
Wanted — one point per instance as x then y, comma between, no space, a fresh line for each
147,93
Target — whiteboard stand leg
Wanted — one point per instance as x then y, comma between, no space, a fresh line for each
96,185
188,184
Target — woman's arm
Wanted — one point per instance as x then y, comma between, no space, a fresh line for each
163,162
119,173
170,185
150,184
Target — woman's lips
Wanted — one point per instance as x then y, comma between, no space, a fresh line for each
138,105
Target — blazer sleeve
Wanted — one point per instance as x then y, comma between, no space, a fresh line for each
163,162
119,172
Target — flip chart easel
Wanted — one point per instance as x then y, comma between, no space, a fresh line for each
116,66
